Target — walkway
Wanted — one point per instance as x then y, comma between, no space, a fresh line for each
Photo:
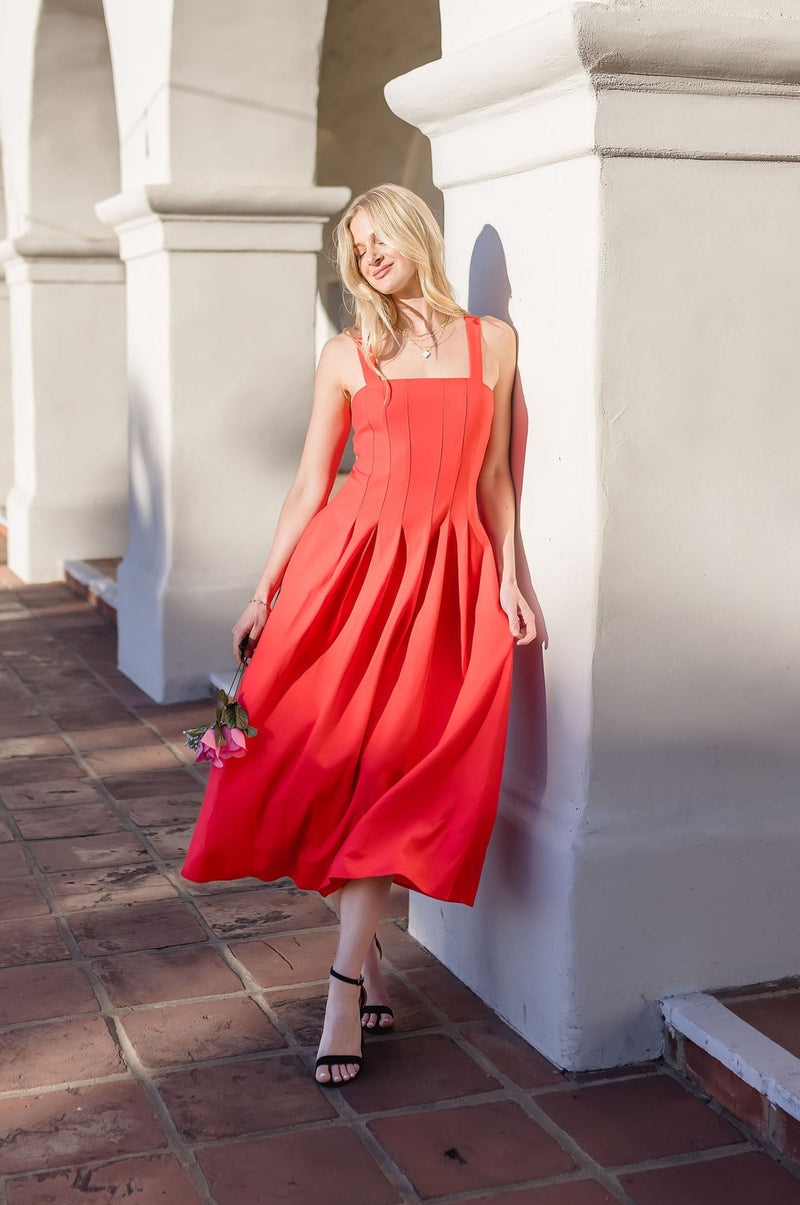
156,1038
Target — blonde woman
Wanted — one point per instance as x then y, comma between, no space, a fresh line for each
380,674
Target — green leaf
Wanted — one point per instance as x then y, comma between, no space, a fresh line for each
195,735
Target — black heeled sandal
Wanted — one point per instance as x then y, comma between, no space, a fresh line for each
331,1060
380,1010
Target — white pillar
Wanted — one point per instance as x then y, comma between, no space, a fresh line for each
67,320
6,422
634,173
221,288
219,224
66,288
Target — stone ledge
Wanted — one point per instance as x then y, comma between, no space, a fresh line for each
98,588
751,1076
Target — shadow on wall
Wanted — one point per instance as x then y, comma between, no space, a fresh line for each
525,769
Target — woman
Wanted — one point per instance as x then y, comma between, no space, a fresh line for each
380,677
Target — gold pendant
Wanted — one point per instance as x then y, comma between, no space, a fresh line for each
425,354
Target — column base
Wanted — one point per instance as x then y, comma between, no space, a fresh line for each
170,632
41,534
573,940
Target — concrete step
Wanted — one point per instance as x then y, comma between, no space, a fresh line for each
741,1045
96,581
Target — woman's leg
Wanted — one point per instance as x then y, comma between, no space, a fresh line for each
361,902
374,980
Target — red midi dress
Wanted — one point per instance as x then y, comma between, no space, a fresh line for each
380,684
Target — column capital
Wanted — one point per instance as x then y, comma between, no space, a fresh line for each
47,257
588,78
205,217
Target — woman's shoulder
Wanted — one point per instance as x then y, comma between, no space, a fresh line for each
495,329
345,338
350,333
339,348
500,337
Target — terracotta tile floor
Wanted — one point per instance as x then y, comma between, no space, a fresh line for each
157,1037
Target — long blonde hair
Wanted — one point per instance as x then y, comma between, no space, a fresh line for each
406,223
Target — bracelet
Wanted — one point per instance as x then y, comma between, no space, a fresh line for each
258,600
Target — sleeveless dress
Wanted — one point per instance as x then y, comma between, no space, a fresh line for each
380,685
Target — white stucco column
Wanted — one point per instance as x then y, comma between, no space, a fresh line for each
67,320
221,288
625,183
6,421
66,291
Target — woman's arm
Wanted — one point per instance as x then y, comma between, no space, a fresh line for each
328,429
495,490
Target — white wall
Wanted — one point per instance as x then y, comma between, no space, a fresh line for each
535,239
644,242
692,825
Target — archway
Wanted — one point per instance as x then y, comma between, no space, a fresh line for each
74,149
66,290
6,414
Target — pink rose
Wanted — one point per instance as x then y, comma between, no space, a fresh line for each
207,749
233,744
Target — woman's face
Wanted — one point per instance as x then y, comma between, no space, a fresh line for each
381,264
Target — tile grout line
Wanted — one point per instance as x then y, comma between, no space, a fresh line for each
519,1096
755,1141
183,1151
347,1113
358,1122
9,1178
222,948
252,988
527,1099
509,1190
107,1012
131,708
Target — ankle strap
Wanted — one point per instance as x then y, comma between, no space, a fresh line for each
345,979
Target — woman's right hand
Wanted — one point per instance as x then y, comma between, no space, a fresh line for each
251,624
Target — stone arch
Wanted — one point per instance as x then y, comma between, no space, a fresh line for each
220,91
66,288
6,415
74,148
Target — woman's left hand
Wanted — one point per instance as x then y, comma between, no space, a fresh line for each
520,616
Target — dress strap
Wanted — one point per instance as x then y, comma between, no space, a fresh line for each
367,367
475,349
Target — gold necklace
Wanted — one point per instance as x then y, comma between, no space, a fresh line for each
426,351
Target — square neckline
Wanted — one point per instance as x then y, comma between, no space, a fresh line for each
475,354
401,380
